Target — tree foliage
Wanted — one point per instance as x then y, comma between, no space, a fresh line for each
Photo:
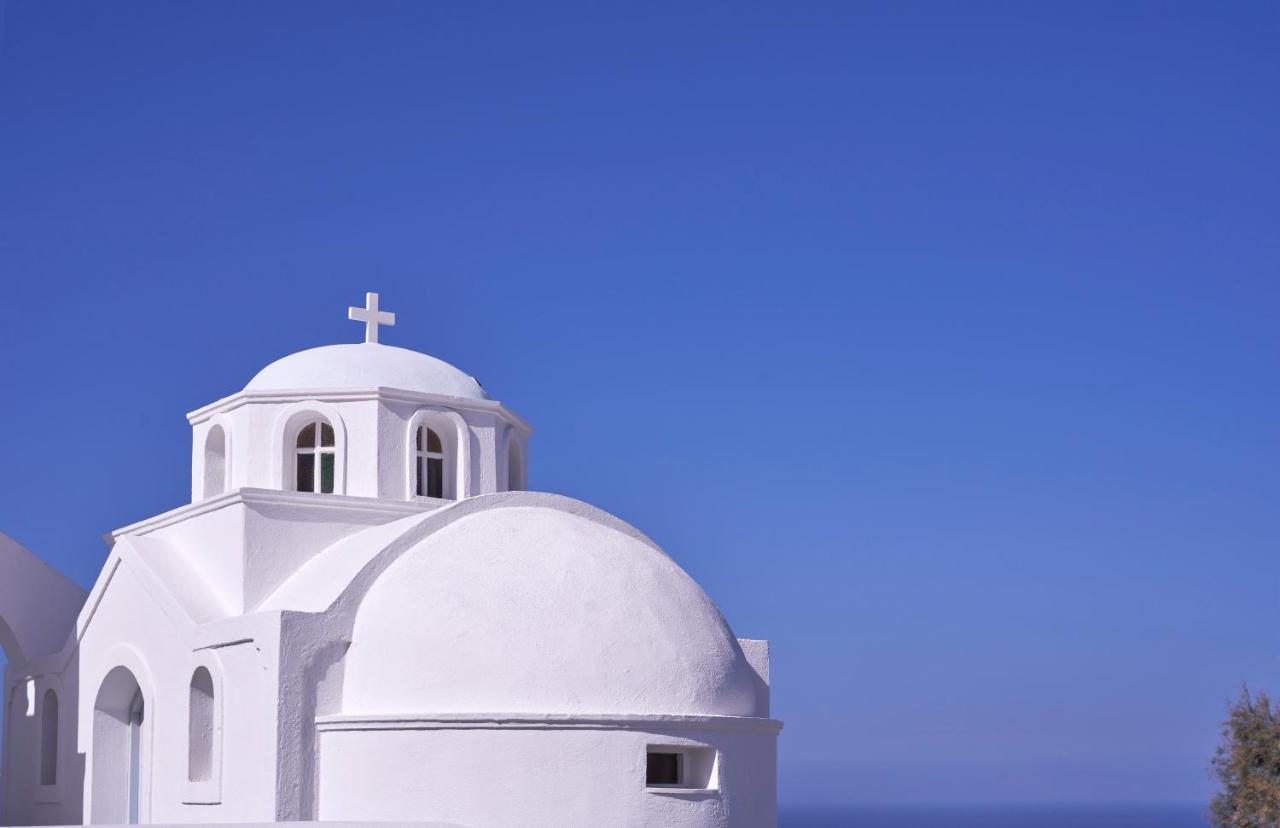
1247,763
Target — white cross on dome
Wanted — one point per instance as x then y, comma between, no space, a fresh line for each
371,317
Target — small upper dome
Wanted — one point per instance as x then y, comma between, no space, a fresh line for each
366,365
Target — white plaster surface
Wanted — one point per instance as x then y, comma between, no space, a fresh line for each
499,657
537,607
38,610
503,772
37,605
366,365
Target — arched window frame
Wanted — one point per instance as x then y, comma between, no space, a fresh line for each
215,479
514,445
288,424
428,453
201,489
455,438
38,691
50,736
102,782
206,790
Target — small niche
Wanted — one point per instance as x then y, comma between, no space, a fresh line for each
680,766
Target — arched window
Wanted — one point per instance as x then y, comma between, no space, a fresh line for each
315,458
437,455
49,739
429,463
515,467
215,461
201,734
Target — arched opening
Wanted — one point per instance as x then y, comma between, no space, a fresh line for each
119,751
438,455
429,460
215,461
6,652
201,736
13,734
13,704
515,466
49,738
315,457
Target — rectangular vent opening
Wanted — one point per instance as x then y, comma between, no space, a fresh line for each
681,766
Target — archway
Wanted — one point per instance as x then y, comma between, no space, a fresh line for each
9,699
119,750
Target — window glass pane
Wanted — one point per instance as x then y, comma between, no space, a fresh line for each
435,477
306,472
433,441
307,437
326,434
417,437
326,473
663,769
419,488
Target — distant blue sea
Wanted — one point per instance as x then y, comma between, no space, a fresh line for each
1176,815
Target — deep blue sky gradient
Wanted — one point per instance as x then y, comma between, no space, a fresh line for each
937,341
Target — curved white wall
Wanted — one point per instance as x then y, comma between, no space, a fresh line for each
374,447
38,606
529,608
500,774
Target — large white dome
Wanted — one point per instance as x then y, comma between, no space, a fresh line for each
541,605
365,365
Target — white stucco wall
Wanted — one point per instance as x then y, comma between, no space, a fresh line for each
495,658
223,556
493,774
38,609
553,646
542,603
24,800
134,626
37,605
372,442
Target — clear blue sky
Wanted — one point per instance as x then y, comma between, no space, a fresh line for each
937,341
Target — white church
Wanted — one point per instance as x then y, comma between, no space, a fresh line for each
364,616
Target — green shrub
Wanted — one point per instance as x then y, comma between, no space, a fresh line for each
1247,763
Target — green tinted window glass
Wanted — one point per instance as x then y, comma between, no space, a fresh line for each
306,472
435,477
326,473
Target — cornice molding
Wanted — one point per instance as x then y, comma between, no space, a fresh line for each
546,721
337,395
273,497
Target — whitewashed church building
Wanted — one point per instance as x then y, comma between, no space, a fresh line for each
363,615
